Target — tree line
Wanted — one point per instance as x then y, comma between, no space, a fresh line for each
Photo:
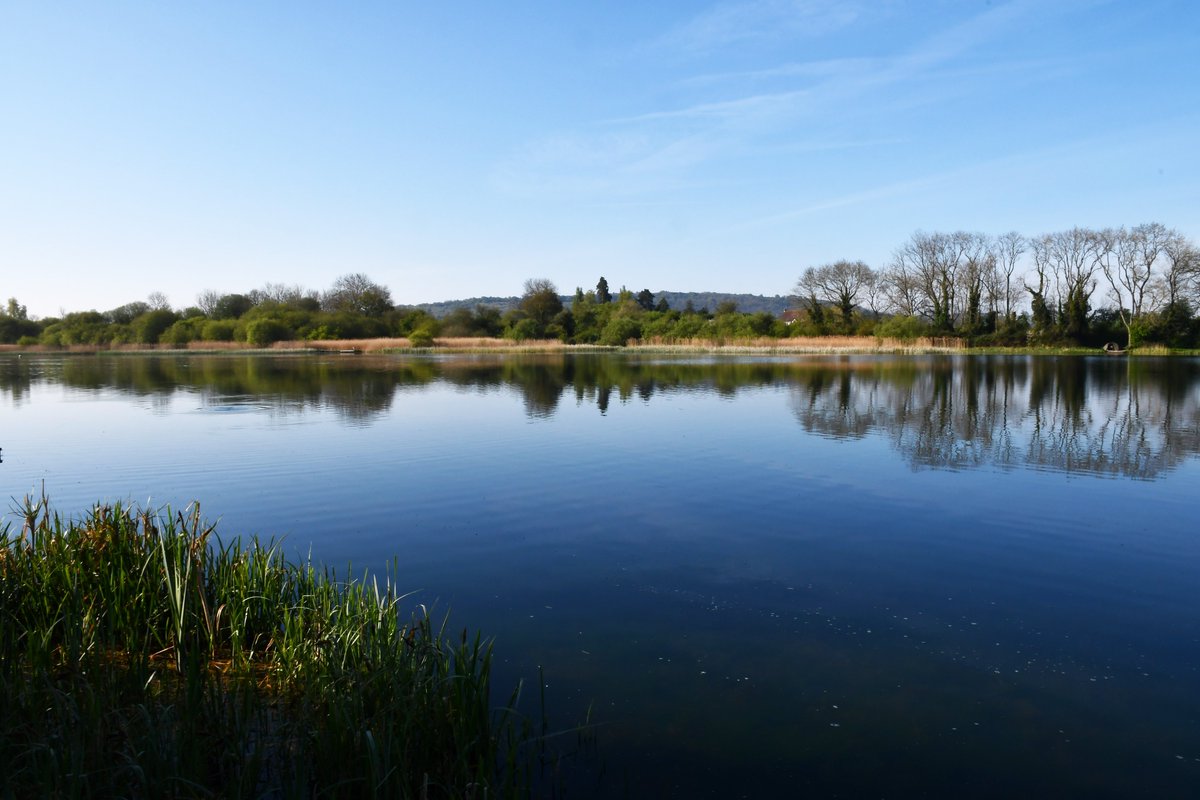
1068,287
1081,286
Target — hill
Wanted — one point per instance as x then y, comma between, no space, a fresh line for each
748,303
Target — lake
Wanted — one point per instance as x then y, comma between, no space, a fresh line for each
767,576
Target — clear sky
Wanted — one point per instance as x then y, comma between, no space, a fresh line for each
453,149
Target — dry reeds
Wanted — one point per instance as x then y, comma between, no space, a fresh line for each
811,345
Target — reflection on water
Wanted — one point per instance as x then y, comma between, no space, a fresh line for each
770,577
1133,418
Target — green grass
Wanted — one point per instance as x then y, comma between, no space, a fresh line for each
142,657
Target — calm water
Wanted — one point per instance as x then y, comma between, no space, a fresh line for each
848,576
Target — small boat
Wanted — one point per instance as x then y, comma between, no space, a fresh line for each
1114,349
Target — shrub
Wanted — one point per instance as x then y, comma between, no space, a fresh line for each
620,330
265,330
180,333
421,337
218,331
524,329
901,328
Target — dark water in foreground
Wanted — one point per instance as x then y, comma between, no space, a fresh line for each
881,577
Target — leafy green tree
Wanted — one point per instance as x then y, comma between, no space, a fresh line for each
540,303
183,331
602,293
645,299
523,329
123,315
218,330
14,329
230,306
620,330
150,326
266,330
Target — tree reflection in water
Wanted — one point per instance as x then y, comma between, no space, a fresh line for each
1122,417
1129,418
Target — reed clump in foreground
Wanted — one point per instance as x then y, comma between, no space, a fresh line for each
141,657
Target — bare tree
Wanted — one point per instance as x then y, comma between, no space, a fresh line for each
358,294
875,294
1181,275
900,289
284,295
945,269
978,262
207,301
158,301
838,284
1128,259
1072,258
1005,290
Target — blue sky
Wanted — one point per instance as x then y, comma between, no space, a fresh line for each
456,149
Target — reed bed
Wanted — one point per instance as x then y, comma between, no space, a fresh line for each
140,656
340,345
811,345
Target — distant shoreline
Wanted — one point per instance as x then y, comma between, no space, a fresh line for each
825,345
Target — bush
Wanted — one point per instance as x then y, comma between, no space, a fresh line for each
218,331
180,333
421,337
620,330
150,326
901,328
524,329
265,330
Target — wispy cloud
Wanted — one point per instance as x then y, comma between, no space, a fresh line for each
1020,171
738,112
755,21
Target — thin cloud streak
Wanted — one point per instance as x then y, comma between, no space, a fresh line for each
739,23
672,142
1082,152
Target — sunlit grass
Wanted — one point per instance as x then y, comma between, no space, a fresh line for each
140,656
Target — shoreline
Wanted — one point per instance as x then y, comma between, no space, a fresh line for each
831,345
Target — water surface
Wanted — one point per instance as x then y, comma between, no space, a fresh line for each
844,576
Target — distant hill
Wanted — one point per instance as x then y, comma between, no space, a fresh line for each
748,303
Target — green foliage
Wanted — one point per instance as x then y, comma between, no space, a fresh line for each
123,315
183,331
267,330
139,655
1174,326
422,337
151,325
901,327
540,301
15,310
620,330
409,321
524,329
14,328
231,306
218,330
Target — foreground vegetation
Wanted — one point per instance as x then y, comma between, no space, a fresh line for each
141,657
